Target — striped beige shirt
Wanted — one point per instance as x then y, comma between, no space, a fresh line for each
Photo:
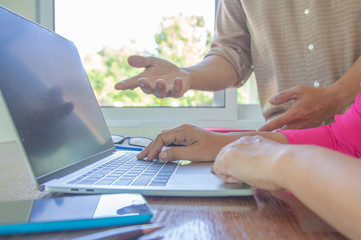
288,42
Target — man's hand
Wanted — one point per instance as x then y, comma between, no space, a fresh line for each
195,144
312,106
160,78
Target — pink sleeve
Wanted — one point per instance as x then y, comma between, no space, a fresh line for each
344,135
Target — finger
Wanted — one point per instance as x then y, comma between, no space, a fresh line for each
279,122
164,139
143,154
177,88
160,88
227,178
145,86
137,62
285,96
140,62
230,179
130,83
301,124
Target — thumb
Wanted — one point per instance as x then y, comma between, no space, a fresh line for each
231,179
284,96
129,83
277,123
133,82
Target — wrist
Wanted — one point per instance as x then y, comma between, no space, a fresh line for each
283,169
294,164
191,73
338,97
347,87
214,73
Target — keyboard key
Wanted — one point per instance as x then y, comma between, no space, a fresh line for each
141,181
86,182
111,178
123,182
105,182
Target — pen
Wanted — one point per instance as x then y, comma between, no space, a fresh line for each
123,233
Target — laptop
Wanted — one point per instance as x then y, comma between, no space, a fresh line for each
62,133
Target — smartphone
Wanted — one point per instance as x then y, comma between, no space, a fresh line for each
73,212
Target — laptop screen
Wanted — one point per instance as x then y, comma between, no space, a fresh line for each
49,96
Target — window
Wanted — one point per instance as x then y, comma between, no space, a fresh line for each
106,32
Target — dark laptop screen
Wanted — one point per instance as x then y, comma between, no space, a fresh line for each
49,97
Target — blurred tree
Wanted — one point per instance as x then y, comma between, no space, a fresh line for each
181,40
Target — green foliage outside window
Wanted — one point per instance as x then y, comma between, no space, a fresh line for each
181,40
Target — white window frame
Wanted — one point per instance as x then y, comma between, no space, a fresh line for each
224,113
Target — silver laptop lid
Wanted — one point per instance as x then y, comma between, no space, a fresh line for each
49,98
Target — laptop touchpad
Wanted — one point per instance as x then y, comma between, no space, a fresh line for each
187,168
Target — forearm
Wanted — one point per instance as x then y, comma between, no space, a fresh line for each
216,141
320,136
327,182
274,136
344,91
214,73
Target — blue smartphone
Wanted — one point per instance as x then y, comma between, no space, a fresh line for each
73,212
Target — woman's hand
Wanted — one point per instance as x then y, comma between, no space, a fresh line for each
188,143
251,159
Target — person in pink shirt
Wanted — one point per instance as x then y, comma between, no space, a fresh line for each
344,135
317,165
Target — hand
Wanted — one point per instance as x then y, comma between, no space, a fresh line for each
198,145
250,159
312,106
160,78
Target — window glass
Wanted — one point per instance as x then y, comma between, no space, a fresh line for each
247,94
106,32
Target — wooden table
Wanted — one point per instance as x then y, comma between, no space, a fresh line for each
263,216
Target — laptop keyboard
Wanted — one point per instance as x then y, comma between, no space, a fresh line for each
127,170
